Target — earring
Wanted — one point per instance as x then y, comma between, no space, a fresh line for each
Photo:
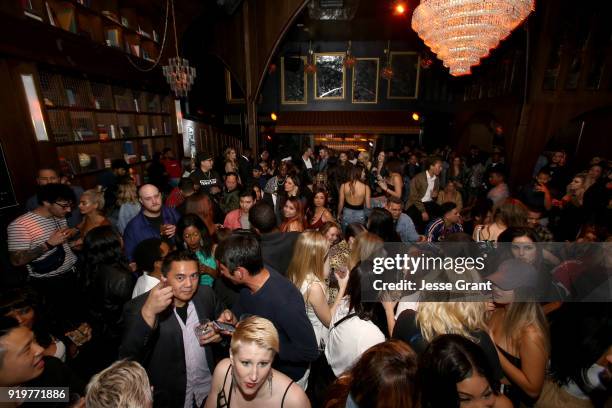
270,382
185,245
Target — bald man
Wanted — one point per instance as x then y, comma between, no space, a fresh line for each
153,221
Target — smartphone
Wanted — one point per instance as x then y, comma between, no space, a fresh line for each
224,326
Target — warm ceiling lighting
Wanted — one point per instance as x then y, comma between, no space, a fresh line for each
415,116
273,116
399,9
461,32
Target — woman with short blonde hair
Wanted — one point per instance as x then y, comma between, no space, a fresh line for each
91,206
253,382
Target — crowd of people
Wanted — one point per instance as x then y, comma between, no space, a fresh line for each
239,282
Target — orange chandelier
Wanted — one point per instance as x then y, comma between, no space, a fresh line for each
461,32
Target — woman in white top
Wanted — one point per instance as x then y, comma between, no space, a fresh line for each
352,332
307,270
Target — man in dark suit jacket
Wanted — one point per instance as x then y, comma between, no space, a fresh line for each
424,189
276,246
160,333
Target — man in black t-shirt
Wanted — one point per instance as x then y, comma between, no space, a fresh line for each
268,294
204,176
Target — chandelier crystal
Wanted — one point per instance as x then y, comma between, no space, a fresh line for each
179,75
461,32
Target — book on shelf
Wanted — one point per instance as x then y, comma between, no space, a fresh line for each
102,131
136,106
142,130
125,131
113,135
125,22
128,148
66,18
48,102
85,134
85,3
32,14
145,151
113,36
134,49
71,97
107,163
50,14
143,33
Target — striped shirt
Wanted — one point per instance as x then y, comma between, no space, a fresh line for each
32,230
436,230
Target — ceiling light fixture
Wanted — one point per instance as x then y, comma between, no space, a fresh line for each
461,32
179,75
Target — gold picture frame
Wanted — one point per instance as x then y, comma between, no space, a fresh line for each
284,100
229,97
360,100
331,59
398,78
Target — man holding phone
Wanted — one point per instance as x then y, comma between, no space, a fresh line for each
163,331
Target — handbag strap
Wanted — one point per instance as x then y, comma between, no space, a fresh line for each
345,318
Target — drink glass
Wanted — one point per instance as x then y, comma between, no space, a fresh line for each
202,328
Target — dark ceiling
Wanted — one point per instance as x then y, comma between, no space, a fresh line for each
374,20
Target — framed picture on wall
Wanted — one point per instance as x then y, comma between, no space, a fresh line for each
293,81
406,69
365,80
330,76
233,93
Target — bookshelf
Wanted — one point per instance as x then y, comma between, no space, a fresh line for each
104,22
91,123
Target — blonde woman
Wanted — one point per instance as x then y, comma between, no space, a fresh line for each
246,378
433,319
308,270
231,162
127,201
91,206
520,332
365,245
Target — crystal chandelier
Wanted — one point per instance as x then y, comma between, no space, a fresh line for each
461,32
178,73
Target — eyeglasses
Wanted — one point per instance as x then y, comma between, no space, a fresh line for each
192,235
64,205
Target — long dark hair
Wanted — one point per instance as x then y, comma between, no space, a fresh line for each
365,310
102,246
448,360
380,222
193,220
384,376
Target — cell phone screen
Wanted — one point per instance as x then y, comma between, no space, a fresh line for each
224,326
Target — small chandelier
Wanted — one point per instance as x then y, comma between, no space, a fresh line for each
311,66
387,72
461,32
178,73
349,59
